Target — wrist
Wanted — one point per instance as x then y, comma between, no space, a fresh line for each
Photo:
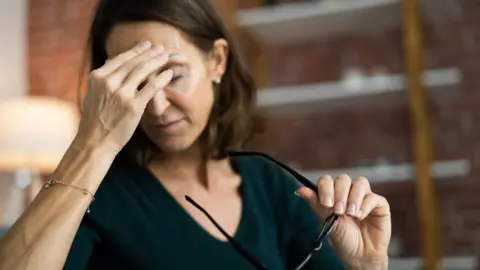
94,141
84,164
370,265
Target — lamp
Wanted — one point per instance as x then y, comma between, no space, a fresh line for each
34,134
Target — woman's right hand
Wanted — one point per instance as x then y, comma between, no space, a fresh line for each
113,104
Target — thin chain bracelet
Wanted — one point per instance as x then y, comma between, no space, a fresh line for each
85,191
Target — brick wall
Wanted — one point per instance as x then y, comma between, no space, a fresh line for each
315,138
57,34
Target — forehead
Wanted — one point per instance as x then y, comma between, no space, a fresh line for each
126,35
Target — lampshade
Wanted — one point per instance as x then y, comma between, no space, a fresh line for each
35,132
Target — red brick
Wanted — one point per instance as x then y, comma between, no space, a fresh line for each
317,138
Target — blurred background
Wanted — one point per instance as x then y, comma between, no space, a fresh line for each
379,88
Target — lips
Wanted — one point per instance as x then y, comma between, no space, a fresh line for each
169,124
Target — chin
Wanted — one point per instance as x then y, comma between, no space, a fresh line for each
173,145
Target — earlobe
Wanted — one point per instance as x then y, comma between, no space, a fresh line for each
217,80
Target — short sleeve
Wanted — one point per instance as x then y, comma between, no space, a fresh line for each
83,247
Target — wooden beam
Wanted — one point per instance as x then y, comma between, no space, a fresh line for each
421,136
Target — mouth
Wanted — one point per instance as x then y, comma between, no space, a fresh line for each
169,125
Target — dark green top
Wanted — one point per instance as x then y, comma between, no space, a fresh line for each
135,224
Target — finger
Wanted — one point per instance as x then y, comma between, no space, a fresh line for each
326,191
152,88
113,64
141,72
311,197
342,185
308,195
124,70
360,188
374,204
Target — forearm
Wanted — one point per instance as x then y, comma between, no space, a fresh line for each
42,236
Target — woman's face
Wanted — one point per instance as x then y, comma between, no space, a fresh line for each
175,118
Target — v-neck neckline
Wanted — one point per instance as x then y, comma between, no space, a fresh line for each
244,195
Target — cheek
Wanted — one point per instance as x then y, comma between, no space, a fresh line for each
196,89
205,96
203,100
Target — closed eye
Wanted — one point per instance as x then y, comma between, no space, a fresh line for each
176,77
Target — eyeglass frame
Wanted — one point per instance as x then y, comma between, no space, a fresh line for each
325,230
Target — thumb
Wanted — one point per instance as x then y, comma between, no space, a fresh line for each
311,197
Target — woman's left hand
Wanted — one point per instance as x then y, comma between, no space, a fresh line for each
363,230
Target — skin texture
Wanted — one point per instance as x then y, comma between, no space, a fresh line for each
168,92
186,102
175,117
363,232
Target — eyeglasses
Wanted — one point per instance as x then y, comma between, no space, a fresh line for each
325,230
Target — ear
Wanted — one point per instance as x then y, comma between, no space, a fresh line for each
218,60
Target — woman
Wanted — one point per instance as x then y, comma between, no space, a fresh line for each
168,100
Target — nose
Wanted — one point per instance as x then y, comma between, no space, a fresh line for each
158,104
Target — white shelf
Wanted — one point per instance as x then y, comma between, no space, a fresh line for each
301,94
447,263
305,20
398,172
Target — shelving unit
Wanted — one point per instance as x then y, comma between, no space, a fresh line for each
298,21
440,79
448,263
397,172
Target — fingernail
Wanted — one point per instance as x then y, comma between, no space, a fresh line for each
144,44
327,201
339,208
359,213
351,209
157,48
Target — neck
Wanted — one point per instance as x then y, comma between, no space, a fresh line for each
189,166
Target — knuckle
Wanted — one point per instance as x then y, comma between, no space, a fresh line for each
370,197
128,54
109,84
134,51
95,75
381,198
142,66
131,107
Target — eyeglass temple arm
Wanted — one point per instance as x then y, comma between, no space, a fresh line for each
232,241
300,178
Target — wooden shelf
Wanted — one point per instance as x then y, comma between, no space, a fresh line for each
397,172
299,21
331,91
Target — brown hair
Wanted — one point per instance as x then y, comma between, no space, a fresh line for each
232,119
